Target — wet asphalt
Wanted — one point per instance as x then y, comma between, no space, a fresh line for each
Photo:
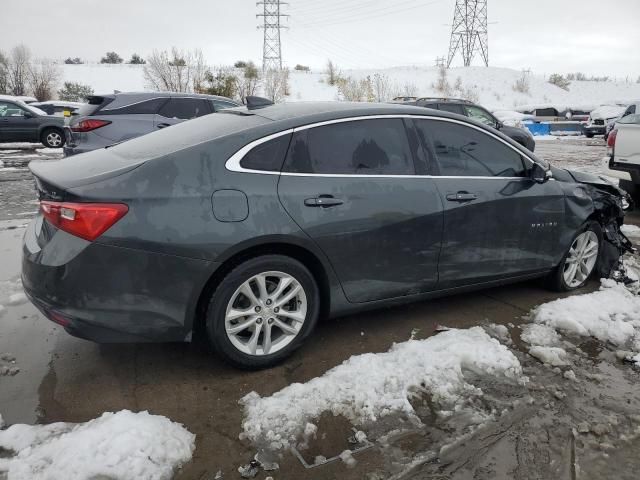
62,378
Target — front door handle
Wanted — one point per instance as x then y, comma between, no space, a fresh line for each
323,201
461,197
164,125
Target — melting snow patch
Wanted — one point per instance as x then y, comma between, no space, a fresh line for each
536,334
366,387
122,446
628,229
17,299
611,314
553,356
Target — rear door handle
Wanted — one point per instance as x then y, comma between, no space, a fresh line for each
461,197
323,201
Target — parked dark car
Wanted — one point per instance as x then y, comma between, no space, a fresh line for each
20,122
248,225
114,118
471,110
58,107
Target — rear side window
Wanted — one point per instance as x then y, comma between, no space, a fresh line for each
267,156
450,107
139,108
221,105
463,151
362,147
185,108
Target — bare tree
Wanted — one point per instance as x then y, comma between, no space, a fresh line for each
522,83
18,70
43,79
247,82
333,73
442,84
559,81
176,71
408,90
382,87
4,73
276,84
352,90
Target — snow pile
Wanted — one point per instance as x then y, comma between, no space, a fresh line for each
630,230
612,314
554,356
537,334
122,446
366,387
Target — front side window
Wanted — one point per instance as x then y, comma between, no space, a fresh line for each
10,110
480,115
185,108
463,151
361,147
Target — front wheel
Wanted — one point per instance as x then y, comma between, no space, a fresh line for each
52,138
588,135
579,263
262,311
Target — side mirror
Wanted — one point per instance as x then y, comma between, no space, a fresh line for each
499,125
540,174
27,114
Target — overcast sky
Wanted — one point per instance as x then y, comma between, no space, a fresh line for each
593,36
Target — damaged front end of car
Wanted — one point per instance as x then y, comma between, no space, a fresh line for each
609,205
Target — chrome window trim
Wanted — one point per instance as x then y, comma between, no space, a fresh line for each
131,104
233,163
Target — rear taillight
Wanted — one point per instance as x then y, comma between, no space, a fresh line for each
84,220
88,125
611,142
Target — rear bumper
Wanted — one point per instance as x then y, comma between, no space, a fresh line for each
111,294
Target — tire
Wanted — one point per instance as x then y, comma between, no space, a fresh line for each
52,138
263,313
588,135
557,280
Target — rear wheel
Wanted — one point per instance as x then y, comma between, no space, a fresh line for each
262,311
579,263
52,138
588,135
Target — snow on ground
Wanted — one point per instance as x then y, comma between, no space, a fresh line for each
493,85
630,230
611,314
122,446
369,386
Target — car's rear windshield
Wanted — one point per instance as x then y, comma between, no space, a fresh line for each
186,134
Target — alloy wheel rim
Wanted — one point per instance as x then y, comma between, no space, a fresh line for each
54,139
581,259
266,313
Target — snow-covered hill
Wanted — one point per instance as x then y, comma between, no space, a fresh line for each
493,85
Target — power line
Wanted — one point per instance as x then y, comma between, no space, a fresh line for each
271,48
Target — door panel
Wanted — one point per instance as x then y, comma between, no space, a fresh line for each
383,240
510,229
351,187
497,221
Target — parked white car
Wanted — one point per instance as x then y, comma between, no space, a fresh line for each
623,154
601,117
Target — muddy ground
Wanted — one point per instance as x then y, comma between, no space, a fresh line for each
554,427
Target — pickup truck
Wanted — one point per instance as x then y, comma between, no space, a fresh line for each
623,154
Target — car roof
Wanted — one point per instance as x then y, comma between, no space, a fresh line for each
147,95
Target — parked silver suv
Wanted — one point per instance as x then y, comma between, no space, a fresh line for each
114,118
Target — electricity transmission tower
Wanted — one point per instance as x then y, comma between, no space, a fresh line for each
271,50
469,33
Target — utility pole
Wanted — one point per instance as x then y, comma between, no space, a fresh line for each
271,50
469,32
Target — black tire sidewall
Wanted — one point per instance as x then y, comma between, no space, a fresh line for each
43,138
560,282
215,317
